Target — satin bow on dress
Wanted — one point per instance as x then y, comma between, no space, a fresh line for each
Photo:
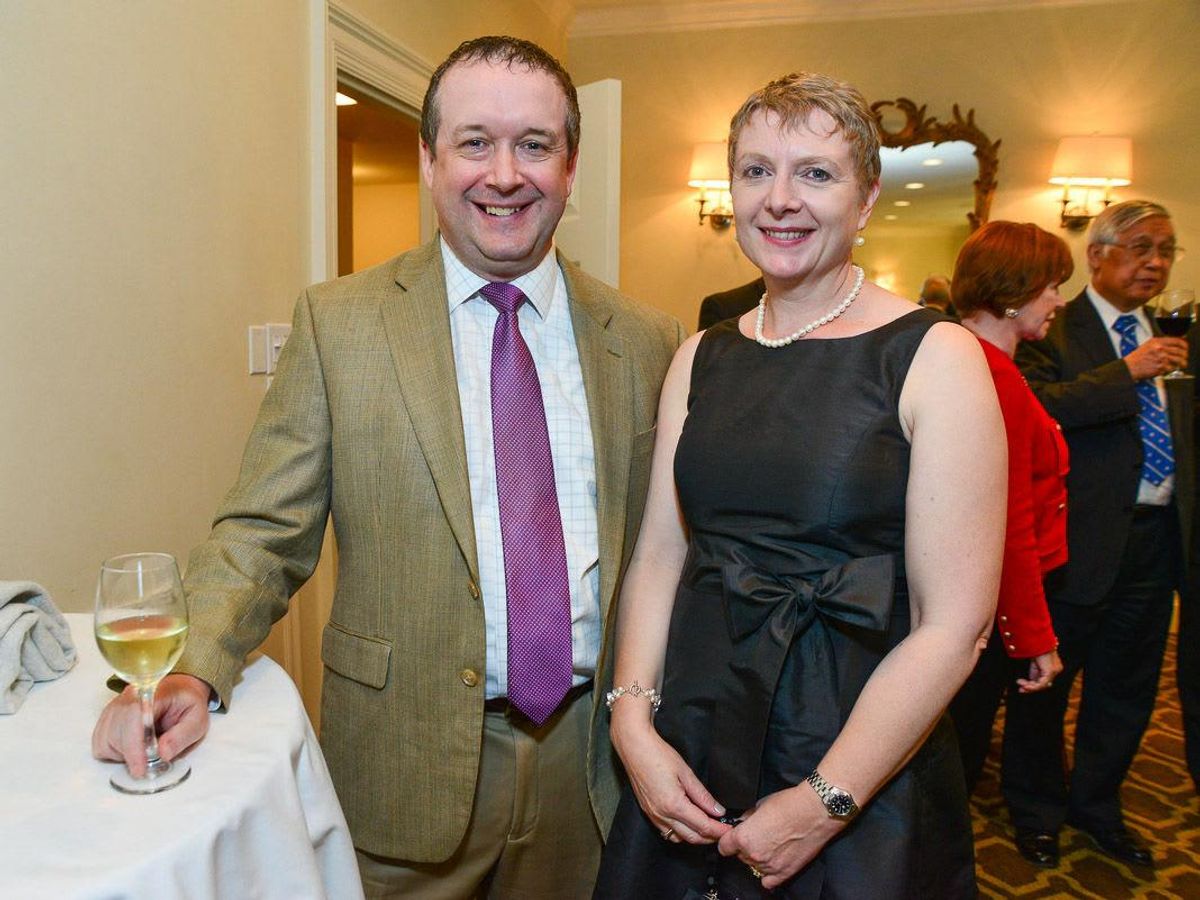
764,615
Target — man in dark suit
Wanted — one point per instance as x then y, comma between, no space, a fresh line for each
727,304
1130,493
935,294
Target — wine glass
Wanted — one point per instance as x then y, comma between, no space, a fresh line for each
1174,312
141,626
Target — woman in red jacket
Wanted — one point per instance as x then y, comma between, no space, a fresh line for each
1005,288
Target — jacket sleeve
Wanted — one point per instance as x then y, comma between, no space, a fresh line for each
1097,396
266,538
1022,618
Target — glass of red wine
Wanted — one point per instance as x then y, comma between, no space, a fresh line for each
1174,312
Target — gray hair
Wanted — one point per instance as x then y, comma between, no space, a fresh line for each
1107,227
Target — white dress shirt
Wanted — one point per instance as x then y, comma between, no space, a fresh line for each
1149,494
545,323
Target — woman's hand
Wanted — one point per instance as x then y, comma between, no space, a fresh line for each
1043,669
782,834
667,790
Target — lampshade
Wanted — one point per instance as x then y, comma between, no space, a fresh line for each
710,166
1093,161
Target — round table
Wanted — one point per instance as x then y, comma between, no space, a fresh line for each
257,818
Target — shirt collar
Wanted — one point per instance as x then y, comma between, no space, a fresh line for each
538,284
1109,313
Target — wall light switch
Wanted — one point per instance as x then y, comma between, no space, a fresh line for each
258,349
277,335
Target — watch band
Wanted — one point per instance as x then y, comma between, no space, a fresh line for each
838,802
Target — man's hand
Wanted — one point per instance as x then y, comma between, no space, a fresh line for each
180,712
1157,356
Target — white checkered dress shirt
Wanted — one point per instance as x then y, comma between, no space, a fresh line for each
546,327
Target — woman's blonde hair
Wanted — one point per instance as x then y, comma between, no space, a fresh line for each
792,99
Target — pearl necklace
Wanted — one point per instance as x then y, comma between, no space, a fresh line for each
811,326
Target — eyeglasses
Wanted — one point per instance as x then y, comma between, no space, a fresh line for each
1143,251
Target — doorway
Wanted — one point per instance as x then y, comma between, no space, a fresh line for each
378,181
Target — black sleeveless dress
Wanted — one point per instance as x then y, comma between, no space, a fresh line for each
792,471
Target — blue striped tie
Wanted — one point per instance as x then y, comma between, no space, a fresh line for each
1158,458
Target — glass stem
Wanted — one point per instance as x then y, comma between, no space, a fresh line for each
146,696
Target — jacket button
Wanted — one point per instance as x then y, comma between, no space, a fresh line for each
1004,618
469,677
473,589
1008,634
1012,647
1061,507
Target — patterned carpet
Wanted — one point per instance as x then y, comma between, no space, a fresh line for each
1160,804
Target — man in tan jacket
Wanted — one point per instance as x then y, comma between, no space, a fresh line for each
478,417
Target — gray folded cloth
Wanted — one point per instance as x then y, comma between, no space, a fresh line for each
35,641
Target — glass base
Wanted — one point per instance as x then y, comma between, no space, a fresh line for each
1178,373
162,777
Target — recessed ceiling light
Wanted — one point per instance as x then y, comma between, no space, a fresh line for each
932,161
890,217
914,185
902,203
343,100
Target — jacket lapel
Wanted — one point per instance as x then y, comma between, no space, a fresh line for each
1089,332
417,323
608,381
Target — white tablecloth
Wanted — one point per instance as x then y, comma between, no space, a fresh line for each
258,817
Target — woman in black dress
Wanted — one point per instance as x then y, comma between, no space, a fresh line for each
792,599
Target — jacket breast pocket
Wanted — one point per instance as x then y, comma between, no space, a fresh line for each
356,656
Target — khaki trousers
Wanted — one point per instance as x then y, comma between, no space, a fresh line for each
532,833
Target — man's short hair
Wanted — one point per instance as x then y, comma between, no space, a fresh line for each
937,289
1116,218
506,51
792,99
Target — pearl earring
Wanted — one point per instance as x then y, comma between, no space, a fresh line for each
859,240
1012,312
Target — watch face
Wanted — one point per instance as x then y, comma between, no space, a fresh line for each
839,803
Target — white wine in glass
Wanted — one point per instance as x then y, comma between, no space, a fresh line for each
141,627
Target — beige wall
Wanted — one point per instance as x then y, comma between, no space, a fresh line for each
154,197
385,222
154,182
1032,76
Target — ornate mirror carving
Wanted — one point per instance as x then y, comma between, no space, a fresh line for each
917,128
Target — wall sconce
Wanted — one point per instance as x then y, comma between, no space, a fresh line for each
1089,163
710,177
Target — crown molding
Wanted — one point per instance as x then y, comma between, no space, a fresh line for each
371,57
709,15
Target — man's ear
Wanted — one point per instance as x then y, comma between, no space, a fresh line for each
572,166
427,160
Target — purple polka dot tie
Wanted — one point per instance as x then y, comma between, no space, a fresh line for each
535,558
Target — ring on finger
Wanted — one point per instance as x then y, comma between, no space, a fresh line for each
753,871
666,834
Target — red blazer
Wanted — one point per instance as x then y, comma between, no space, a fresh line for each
1036,536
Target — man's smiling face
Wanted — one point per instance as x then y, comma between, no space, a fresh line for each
501,172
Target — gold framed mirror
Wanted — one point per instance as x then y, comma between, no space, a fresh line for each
917,129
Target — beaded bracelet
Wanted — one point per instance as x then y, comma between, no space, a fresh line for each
634,690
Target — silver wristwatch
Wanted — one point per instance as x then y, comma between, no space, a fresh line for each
838,803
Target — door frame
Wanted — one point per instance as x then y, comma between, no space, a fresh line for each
346,46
